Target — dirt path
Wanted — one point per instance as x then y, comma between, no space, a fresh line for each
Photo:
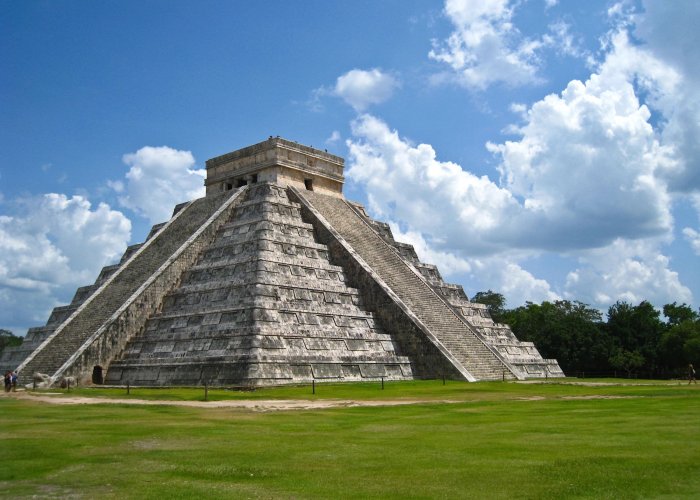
247,404
263,405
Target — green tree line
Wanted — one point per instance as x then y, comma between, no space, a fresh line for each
633,339
8,339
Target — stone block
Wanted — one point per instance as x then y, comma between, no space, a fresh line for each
327,371
372,371
356,345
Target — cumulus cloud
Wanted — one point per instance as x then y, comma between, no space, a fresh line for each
333,138
500,272
592,172
452,217
515,282
580,179
626,270
407,183
362,88
51,245
587,162
581,176
670,37
485,47
447,262
157,180
693,237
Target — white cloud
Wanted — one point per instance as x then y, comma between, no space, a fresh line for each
157,180
362,88
333,138
626,270
450,207
582,177
670,34
693,237
593,173
452,217
561,40
448,263
502,273
586,163
498,272
49,247
486,47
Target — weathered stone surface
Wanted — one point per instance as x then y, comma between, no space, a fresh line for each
12,357
99,328
278,281
446,333
523,357
264,297
40,380
277,161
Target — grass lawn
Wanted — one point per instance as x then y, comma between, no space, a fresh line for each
495,440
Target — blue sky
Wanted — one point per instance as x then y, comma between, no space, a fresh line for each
544,149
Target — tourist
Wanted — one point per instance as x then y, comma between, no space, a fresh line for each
13,379
8,381
691,374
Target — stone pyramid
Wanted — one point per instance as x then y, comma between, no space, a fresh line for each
272,278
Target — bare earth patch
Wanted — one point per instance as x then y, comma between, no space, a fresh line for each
248,404
264,405
592,383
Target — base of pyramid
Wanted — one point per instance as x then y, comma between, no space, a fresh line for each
237,373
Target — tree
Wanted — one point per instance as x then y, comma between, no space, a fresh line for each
635,329
570,332
633,338
680,345
7,339
627,360
495,304
678,314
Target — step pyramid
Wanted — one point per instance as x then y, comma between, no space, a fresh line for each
272,278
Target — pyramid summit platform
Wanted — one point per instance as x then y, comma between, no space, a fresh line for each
272,278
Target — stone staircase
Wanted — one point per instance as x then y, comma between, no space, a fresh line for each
523,358
12,357
449,330
101,305
262,305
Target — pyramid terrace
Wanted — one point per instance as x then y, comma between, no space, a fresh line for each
272,278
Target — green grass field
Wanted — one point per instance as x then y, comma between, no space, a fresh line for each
493,440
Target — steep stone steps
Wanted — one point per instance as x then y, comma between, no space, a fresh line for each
63,343
435,314
262,303
523,358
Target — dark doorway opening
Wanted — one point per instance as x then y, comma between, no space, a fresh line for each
97,375
309,183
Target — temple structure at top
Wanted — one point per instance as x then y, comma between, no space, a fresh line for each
272,278
280,162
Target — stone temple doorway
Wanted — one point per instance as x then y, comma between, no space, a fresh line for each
97,377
